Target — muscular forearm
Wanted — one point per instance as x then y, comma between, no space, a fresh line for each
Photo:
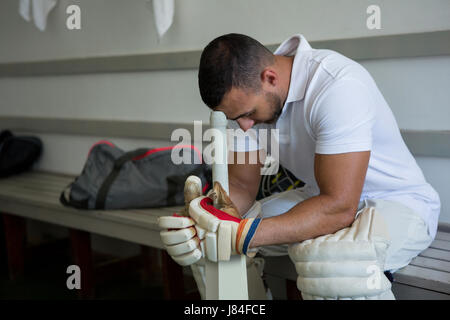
309,219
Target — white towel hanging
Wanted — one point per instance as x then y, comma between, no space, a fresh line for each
40,10
163,11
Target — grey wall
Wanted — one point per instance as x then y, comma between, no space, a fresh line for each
112,27
416,88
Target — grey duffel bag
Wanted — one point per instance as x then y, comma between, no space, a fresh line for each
142,178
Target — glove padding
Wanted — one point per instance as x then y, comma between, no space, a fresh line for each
227,233
214,232
182,244
348,264
181,237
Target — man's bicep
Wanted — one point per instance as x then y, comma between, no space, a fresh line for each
341,177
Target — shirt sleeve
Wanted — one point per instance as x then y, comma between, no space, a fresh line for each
342,118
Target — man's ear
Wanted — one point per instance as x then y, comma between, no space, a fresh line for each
269,77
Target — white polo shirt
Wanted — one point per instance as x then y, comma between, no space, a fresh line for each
334,106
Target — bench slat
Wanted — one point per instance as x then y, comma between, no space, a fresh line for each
52,197
145,232
39,176
36,182
145,220
443,236
406,292
49,175
35,189
31,197
431,263
436,254
424,278
34,185
50,200
440,244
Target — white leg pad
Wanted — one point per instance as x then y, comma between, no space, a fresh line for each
348,264
342,287
323,269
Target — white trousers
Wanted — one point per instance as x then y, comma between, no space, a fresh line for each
408,231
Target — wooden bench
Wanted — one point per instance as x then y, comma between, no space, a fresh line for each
426,277
35,195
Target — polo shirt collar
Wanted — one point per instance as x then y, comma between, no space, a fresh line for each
300,48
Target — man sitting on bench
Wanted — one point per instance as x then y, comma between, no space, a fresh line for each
366,205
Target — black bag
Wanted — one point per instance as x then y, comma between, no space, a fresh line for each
17,153
142,178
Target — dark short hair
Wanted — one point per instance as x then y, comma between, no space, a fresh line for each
231,60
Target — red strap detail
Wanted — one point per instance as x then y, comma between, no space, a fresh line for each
205,188
100,142
206,204
149,152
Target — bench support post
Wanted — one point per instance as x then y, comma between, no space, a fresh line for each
150,264
172,278
292,292
15,238
82,255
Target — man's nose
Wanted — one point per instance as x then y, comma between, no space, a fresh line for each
245,123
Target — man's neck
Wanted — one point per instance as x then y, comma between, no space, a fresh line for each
284,65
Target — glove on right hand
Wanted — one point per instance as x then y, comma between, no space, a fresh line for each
181,237
227,233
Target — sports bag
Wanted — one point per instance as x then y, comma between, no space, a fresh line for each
17,153
142,178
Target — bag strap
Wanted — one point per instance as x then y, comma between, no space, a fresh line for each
70,202
118,163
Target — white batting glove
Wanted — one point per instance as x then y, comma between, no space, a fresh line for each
181,237
226,233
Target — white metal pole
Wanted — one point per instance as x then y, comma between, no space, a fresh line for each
225,280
